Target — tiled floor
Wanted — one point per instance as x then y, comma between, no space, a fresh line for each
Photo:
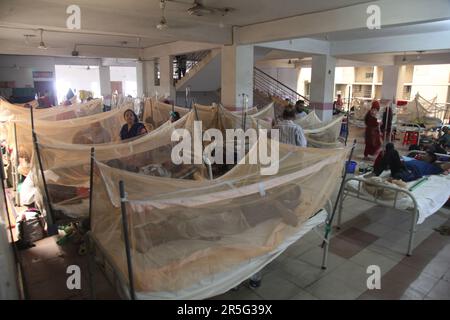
45,270
424,275
369,236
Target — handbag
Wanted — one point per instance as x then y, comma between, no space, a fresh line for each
32,227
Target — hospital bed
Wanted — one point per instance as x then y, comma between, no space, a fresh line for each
212,286
421,198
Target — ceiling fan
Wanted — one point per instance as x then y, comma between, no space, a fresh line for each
417,58
162,25
198,9
42,44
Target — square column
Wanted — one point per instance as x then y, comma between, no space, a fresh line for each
105,84
166,87
237,75
389,89
105,81
322,86
140,80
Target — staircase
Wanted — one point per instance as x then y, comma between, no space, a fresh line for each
265,85
195,62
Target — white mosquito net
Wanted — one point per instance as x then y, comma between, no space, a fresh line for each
186,233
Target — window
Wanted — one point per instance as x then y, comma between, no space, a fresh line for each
369,75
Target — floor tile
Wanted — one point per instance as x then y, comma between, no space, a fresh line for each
332,288
377,229
315,258
242,293
441,291
304,295
368,257
275,287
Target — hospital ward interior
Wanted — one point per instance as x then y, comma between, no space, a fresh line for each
225,150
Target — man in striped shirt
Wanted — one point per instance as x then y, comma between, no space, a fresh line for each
291,132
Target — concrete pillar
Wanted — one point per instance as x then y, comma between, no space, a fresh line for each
166,87
237,75
148,78
322,85
389,89
105,81
105,84
140,80
401,81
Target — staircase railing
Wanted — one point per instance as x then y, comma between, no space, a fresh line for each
191,60
267,84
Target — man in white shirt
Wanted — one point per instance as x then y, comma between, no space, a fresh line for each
291,132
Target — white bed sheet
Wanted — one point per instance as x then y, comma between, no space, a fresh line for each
221,283
430,195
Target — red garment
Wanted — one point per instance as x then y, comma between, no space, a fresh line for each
376,105
372,136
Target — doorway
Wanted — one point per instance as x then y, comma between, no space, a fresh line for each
116,85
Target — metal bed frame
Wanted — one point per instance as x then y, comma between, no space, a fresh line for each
373,199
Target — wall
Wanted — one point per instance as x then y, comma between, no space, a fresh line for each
204,98
8,275
431,81
77,77
128,77
361,72
20,68
287,76
303,76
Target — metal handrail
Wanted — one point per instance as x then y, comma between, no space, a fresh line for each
266,83
193,59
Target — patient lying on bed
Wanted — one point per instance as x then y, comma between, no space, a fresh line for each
203,224
411,169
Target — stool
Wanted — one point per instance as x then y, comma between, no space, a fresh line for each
411,137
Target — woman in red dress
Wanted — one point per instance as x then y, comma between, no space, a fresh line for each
373,135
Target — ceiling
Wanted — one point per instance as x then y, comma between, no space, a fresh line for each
114,24
111,22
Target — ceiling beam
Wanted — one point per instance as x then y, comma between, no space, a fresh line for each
422,41
423,59
393,13
304,45
19,48
177,47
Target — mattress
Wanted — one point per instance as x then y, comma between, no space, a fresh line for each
431,195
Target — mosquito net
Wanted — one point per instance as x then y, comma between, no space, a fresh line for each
321,134
10,111
67,166
156,112
185,233
421,111
361,108
97,128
